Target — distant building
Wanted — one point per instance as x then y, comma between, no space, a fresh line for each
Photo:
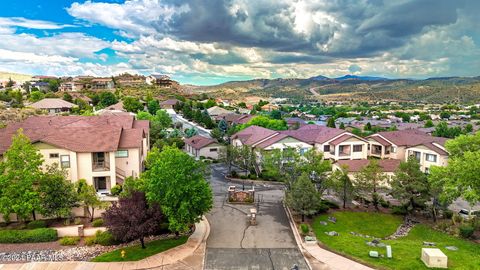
130,80
161,81
216,111
53,105
38,78
388,166
199,146
169,103
42,86
102,84
71,86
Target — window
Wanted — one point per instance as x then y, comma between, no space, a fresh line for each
54,155
213,149
326,148
431,158
394,149
121,153
357,148
65,161
303,151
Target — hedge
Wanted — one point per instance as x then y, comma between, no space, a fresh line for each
28,236
36,224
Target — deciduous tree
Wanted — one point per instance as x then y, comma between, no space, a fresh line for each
343,186
133,218
369,179
87,196
177,182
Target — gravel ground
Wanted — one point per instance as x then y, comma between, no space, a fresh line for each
53,251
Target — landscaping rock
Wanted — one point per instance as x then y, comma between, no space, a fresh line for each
332,233
332,219
430,244
323,223
454,248
403,229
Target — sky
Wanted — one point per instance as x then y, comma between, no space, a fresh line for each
207,42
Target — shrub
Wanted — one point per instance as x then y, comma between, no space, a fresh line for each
384,203
36,224
304,229
116,190
28,236
234,173
457,219
97,222
330,204
243,177
466,231
252,176
105,238
399,210
69,241
90,240
448,214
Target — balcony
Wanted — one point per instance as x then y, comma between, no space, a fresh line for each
100,162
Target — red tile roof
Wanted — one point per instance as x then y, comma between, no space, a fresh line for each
198,142
380,140
52,103
410,137
170,102
356,165
78,133
253,134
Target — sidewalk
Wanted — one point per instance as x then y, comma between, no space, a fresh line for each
322,259
187,256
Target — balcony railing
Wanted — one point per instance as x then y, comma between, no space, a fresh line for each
101,166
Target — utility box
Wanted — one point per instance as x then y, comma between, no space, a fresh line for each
434,257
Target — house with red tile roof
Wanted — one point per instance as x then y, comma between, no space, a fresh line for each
103,150
200,146
53,105
335,143
401,144
388,166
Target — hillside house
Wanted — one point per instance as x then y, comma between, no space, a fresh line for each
200,146
53,105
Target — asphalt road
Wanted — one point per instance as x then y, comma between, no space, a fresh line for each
176,118
235,244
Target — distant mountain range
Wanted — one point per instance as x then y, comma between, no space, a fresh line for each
352,87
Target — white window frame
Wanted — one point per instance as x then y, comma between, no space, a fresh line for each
357,145
431,155
65,161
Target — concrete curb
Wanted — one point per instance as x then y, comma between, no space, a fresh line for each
258,182
168,257
296,234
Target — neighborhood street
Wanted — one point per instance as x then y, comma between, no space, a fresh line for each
234,244
176,118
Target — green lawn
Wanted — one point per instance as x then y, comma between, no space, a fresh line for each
406,250
136,253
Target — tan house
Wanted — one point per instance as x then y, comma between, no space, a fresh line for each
102,84
216,111
389,166
401,144
169,103
71,86
336,144
103,150
53,105
200,146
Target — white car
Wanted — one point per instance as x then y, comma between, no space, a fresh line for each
466,214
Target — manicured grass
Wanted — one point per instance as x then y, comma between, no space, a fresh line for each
136,253
406,250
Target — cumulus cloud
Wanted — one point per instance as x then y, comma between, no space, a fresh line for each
32,24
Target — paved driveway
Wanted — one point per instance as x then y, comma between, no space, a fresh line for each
234,244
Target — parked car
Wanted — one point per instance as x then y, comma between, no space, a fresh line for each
466,214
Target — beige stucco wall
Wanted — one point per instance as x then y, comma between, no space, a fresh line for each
289,142
351,175
131,165
442,160
350,142
205,151
46,150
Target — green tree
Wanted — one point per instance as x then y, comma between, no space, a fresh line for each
331,122
20,173
191,132
317,168
468,128
132,104
276,114
303,197
369,179
153,106
342,126
242,105
67,97
106,99
266,122
228,155
36,96
57,195
460,177
343,186
410,185
442,130
163,119
87,196
144,116
177,182
210,103
368,127
429,124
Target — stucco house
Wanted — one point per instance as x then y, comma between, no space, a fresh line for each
53,105
200,146
336,144
428,150
103,150
389,166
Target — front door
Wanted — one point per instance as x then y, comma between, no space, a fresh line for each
100,183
